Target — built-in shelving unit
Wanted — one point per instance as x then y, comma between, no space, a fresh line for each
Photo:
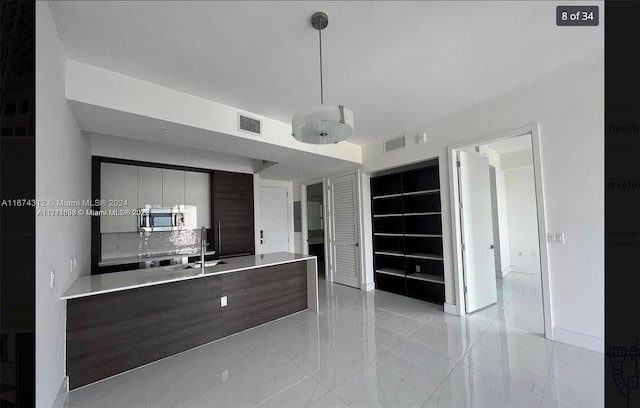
407,232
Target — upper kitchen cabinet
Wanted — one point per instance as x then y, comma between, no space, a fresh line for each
172,187
149,186
197,192
119,189
233,213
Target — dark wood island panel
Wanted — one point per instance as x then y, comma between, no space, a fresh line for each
256,298
114,332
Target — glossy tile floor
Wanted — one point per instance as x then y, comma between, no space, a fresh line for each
373,349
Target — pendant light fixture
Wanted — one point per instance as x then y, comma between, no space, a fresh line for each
322,124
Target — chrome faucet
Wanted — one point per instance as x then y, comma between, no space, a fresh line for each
203,246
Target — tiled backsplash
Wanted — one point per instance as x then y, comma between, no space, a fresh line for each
124,244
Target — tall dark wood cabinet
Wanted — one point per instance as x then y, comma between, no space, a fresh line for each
407,232
232,223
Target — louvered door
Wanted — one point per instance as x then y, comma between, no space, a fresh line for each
345,251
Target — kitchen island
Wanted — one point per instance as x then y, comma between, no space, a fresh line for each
122,320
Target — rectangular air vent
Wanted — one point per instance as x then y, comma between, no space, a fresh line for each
395,143
249,124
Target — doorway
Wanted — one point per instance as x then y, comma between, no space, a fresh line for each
316,225
274,219
499,233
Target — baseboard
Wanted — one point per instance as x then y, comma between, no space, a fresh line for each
506,271
578,340
367,287
61,398
450,309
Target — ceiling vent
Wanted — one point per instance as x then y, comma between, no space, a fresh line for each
395,143
248,124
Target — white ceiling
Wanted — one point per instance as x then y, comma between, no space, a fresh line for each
512,144
397,65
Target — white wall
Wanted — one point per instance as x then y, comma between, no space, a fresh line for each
63,171
569,110
134,149
523,220
523,158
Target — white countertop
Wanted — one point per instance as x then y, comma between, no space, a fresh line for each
89,285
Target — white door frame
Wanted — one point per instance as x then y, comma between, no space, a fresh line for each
452,151
304,223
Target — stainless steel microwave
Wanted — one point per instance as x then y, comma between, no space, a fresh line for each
176,218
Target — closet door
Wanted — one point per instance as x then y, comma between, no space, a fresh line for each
344,233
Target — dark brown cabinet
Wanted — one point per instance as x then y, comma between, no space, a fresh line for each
255,297
233,228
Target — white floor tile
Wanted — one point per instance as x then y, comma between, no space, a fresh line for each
335,360
466,387
516,357
450,335
251,393
389,381
575,378
396,323
300,394
328,400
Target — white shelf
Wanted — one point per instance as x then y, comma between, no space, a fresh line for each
388,196
426,277
425,256
423,235
391,271
422,192
387,234
421,213
391,253
387,215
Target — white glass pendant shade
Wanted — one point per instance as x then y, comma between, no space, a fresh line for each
323,124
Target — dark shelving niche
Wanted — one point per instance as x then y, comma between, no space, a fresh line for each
388,205
388,244
407,232
388,224
388,185
423,224
426,202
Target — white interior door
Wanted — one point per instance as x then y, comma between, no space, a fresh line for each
477,231
495,218
344,239
274,219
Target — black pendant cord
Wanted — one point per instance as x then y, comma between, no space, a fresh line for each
321,90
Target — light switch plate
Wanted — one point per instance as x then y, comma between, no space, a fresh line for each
555,237
223,301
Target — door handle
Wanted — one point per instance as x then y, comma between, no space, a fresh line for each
356,244
491,246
